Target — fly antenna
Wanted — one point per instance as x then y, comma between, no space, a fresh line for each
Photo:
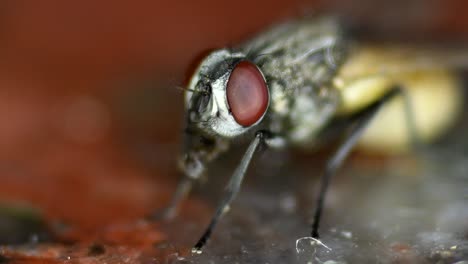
187,89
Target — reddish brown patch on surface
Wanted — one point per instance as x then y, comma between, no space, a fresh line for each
400,248
404,253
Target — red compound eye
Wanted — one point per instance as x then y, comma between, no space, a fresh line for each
247,94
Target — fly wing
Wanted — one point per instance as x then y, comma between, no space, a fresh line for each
300,53
392,61
299,60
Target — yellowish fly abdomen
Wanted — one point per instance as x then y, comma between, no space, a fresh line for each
434,90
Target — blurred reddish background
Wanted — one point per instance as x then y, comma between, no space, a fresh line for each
89,119
63,64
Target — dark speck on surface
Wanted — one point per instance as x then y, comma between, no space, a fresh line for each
96,250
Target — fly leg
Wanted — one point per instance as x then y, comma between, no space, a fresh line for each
182,190
193,166
231,190
414,138
357,127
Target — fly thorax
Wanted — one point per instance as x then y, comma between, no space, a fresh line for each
311,109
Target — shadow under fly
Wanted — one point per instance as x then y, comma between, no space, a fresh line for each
293,83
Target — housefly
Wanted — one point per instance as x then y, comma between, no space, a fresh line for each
303,79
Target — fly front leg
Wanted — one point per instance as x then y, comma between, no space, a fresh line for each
199,152
193,169
182,190
233,187
357,126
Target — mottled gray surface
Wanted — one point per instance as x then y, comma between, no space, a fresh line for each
409,209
